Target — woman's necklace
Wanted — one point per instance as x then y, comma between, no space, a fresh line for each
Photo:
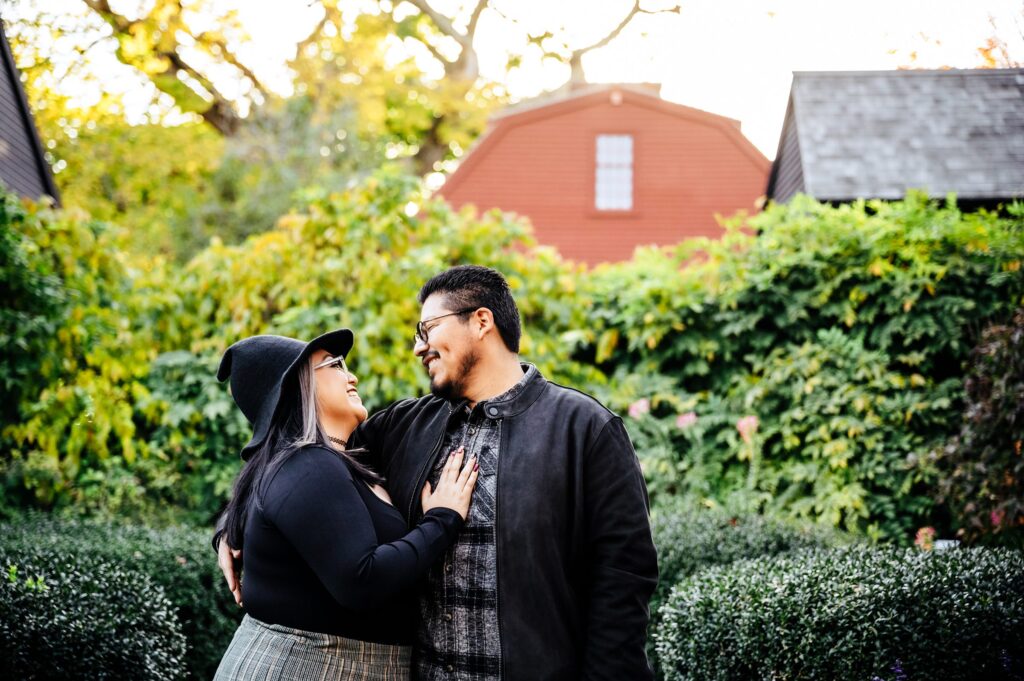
337,441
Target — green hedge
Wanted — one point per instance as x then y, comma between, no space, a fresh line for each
68,616
178,560
852,613
689,539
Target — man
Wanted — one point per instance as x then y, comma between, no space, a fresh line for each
551,576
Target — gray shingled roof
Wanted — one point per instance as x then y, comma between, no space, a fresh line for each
875,134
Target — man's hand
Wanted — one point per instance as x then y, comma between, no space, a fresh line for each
226,560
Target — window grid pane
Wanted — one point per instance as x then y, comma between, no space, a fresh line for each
613,183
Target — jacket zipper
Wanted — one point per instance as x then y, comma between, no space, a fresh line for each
502,448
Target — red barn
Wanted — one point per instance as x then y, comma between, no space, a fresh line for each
604,169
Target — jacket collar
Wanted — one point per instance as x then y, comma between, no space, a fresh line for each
517,403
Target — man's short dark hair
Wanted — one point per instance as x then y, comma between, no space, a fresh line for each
475,286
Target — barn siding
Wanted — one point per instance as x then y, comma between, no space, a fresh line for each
790,178
686,169
22,167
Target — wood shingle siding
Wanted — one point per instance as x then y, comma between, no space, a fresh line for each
23,166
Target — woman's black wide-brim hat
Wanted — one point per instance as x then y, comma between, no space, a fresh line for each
259,366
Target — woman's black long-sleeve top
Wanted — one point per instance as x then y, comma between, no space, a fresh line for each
324,553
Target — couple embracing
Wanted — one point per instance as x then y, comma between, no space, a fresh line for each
495,529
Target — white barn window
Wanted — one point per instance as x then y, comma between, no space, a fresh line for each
613,181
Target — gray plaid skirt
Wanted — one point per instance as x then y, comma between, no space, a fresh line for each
272,652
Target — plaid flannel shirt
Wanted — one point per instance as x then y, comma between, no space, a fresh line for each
458,637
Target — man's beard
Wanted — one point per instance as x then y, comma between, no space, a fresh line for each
455,389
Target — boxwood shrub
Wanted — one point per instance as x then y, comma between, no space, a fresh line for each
850,613
178,559
689,538
65,616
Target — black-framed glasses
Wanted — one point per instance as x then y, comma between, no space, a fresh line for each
423,331
336,362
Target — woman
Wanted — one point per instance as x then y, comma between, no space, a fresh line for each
329,562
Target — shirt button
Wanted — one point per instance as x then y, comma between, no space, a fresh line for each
493,411
447,568
450,668
448,617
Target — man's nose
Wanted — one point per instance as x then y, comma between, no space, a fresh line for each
419,348
353,379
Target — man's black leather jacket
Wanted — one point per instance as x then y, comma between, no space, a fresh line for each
576,563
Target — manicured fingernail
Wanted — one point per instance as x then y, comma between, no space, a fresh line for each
476,466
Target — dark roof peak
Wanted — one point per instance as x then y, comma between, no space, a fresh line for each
909,73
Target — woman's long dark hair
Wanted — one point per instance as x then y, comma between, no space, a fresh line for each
295,425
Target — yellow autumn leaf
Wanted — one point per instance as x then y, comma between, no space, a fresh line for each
606,345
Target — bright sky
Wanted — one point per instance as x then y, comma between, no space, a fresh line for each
730,57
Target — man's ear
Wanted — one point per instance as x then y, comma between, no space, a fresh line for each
483,319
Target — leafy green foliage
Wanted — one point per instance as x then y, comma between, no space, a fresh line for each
32,298
842,331
357,259
149,178
132,422
73,616
793,332
840,432
982,468
854,613
72,416
195,434
167,573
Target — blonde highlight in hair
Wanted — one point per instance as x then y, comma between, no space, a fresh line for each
310,433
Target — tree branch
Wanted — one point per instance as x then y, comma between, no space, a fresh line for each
481,5
220,112
102,7
622,25
426,10
314,35
230,58
434,51
443,23
576,57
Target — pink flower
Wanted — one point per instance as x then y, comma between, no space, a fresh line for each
925,538
684,421
747,427
639,408
997,517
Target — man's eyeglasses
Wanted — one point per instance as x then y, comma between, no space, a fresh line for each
336,362
423,331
